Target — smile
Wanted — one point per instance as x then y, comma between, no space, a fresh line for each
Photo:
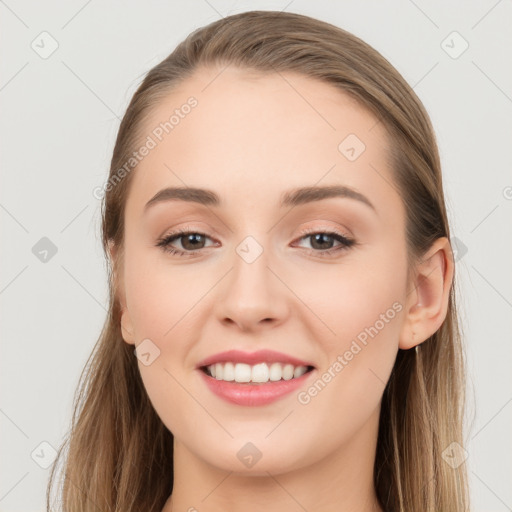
250,393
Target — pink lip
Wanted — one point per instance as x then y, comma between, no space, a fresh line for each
253,394
260,356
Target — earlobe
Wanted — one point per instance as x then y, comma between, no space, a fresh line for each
428,300
126,322
127,326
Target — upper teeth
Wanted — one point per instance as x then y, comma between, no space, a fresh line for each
261,372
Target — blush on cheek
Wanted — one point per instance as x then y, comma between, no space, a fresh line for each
367,331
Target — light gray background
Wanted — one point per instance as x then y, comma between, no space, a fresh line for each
59,120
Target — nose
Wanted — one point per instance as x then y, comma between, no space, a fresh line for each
252,297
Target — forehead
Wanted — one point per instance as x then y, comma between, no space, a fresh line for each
256,135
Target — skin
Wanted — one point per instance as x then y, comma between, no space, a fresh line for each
250,138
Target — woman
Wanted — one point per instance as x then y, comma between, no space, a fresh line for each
282,330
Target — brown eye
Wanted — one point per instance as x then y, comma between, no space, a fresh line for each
190,241
322,242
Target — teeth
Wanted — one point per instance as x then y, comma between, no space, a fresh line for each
242,373
228,373
259,373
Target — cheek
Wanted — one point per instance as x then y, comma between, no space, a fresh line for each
160,297
366,316
344,300
361,306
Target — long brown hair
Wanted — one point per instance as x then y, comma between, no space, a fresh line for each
118,453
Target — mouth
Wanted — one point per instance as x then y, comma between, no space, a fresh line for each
255,385
258,374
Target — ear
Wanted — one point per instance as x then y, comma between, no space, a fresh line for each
427,302
126,321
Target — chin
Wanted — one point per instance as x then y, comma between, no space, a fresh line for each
249,460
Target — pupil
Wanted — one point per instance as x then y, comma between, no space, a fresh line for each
193,239
320,237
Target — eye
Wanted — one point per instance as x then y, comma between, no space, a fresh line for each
321,242
191,242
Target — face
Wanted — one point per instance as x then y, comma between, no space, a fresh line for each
321,278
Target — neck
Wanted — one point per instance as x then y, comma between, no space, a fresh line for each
342,481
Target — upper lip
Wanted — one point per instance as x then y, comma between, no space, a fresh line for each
252,358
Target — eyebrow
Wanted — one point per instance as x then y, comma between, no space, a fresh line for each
293,197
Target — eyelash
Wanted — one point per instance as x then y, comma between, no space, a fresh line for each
345,241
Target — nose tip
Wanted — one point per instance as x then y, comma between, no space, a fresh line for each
252,296
246,323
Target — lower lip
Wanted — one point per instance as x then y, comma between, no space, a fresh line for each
253,394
